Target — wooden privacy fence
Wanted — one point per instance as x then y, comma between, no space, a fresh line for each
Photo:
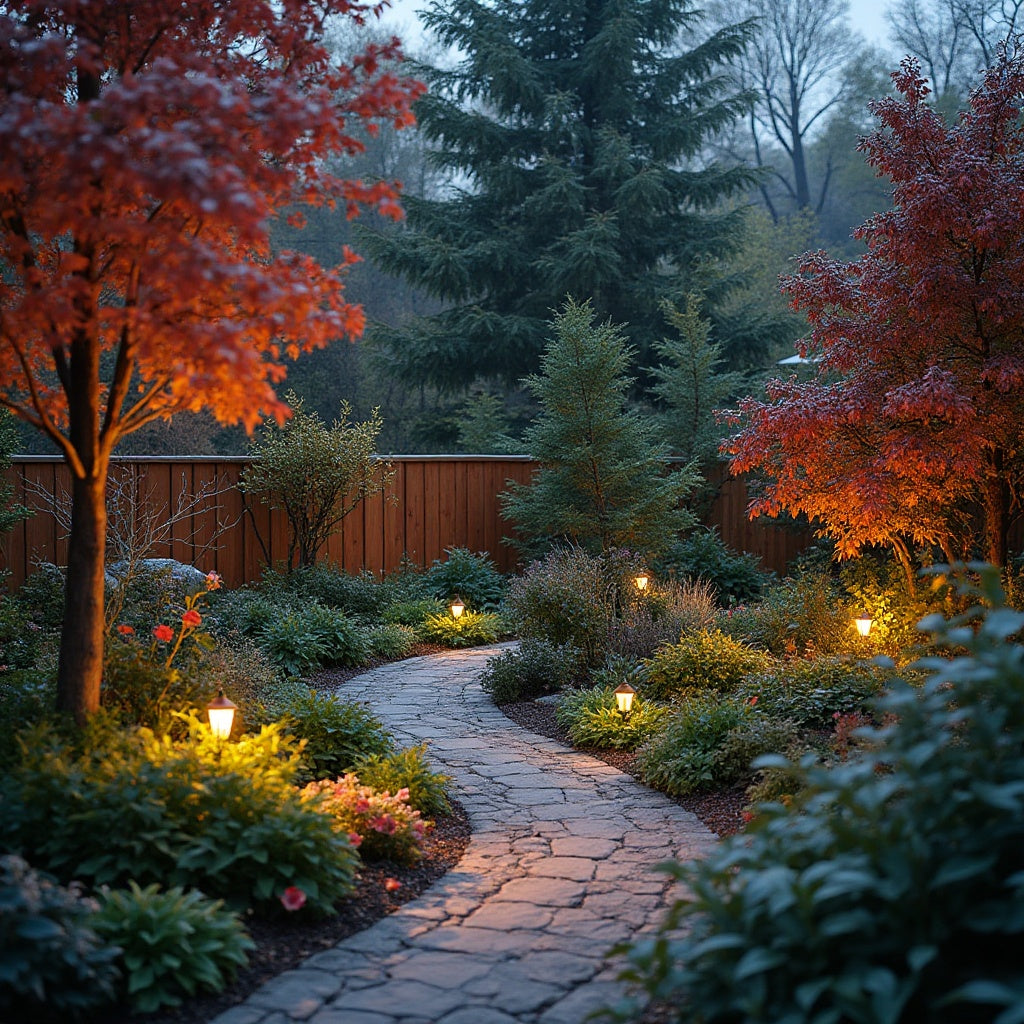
435,502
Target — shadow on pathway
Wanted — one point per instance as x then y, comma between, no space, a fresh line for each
559,869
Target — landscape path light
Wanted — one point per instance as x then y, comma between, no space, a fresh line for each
457,607
222,715
641,581
624,694
864,622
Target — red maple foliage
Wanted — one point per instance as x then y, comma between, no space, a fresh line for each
145,149
912,430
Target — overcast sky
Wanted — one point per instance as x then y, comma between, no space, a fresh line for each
867,16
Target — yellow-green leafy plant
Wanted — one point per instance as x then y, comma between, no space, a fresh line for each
592,719
706,659
470,629
407,770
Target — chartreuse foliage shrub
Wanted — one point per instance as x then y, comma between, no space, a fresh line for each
470,629
702,660
53,965
196,813
535,668
410,770
592,719
894,890
173,943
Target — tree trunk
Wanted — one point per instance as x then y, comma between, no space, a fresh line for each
80,666
997,510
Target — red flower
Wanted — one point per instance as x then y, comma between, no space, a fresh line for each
213,581
163,632
384,823
191,618
354,838
126,630
293,898
392,884
753,700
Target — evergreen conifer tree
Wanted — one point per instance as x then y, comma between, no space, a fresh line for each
603,482
573,129
691,383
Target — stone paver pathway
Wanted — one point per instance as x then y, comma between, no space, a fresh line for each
559,869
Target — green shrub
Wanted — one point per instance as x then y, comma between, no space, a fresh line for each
293,643
736,577
19,635
534,668
592,719
42,595
755,735
173,943
337,733
686,755
245,611
358,595
390,641
383,826
343,642
409,770
566,600
244,672
413,611
470,629
27,698
53,965
895,891
473,577
703,660
197,813
811,693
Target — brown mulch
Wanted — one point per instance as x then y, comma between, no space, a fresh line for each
283,943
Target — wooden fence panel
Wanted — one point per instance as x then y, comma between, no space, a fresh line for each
442,502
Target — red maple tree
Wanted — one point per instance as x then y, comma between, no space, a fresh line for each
145,149
912,430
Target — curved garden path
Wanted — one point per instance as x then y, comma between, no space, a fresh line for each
559,869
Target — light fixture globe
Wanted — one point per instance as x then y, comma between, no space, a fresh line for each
222,715
864,622
624,694
641,581
457,607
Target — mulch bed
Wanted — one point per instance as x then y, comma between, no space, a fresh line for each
283,943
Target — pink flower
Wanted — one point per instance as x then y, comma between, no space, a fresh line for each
126,630
362,805
191,618
384,823
355,839
163,632
392,884
402,794
293,898
213,581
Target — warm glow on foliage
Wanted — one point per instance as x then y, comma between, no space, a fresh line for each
915,421
145,150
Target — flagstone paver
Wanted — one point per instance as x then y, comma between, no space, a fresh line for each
559,869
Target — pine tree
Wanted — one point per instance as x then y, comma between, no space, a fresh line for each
691,383
573,128
603,482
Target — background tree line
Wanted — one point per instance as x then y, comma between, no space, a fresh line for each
626,155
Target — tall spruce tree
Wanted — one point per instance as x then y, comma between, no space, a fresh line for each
602,482
573,129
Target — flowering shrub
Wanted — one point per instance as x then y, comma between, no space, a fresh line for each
382,826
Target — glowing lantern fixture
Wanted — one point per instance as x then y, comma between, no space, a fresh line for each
864,624
457,607
624,695
641,582
222,715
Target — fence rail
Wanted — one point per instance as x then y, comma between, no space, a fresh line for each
433,503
